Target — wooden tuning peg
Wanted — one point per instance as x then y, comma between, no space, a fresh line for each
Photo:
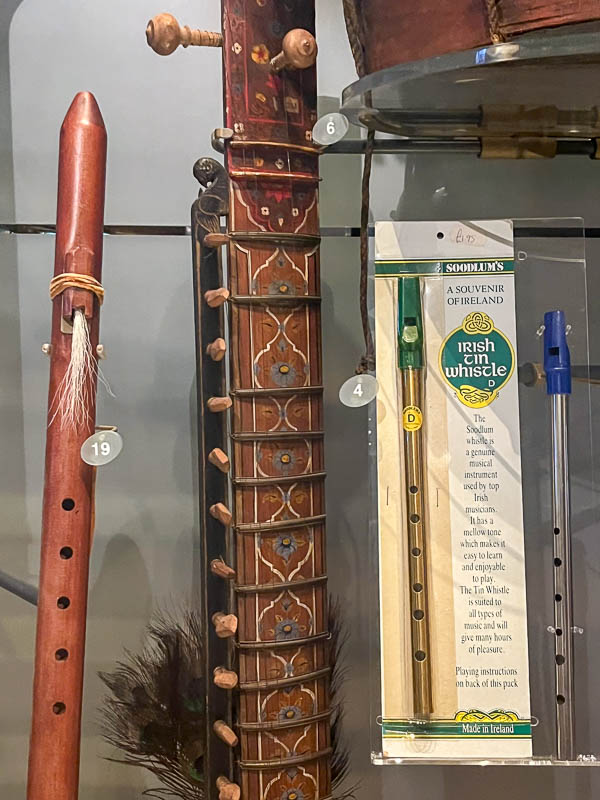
225,733
221,569
215,239
227,789
219,459
224,678
299,51
216,297
225,624
217,349
217,404
222,513
164,35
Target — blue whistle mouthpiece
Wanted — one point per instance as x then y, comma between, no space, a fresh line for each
557,359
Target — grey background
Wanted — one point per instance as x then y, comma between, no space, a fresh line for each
159,114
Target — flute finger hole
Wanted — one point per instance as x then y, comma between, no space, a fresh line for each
560,660
560,699
416,551
420,655
61,654
557,562
68,504
556,531
417,587
558,631
414,518
59,708
66,552
413,489
418,614
63,602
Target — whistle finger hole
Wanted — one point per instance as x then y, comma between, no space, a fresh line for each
417,587
420,655
414,518
560,660
63,602
59,708
68,504
418,614
61,654
66,552
416,551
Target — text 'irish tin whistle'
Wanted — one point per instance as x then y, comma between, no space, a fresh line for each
67,516
412,368
557,367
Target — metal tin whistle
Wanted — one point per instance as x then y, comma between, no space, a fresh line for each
412,370
557,367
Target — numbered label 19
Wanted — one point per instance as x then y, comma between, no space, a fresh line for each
101,448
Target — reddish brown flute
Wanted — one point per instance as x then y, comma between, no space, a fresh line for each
67,516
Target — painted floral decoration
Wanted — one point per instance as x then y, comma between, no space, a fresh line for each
285,546
288,713
260,54
286,629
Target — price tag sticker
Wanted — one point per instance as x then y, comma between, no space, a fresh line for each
330,129
101,448
358,390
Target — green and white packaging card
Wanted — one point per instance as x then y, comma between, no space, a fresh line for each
474,522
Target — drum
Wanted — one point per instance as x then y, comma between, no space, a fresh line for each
391,32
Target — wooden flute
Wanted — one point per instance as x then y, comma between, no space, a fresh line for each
68,511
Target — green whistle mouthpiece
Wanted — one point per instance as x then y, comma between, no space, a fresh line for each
410,324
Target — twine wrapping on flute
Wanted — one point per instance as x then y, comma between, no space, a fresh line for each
74,280
71,401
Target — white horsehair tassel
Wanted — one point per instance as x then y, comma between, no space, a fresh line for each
72,397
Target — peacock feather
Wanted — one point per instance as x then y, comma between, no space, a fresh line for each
155,714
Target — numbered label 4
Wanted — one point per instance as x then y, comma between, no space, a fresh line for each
358,390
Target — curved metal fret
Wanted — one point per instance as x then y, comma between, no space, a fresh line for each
303,477
277,587
298,239
279,525
273,299
279,391
279,644
276,763
276,436
276,176
282,683
279,726
294,148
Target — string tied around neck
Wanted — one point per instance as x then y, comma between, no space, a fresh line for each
74,280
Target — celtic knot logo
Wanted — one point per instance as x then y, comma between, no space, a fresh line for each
477,322
476,398
476,360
